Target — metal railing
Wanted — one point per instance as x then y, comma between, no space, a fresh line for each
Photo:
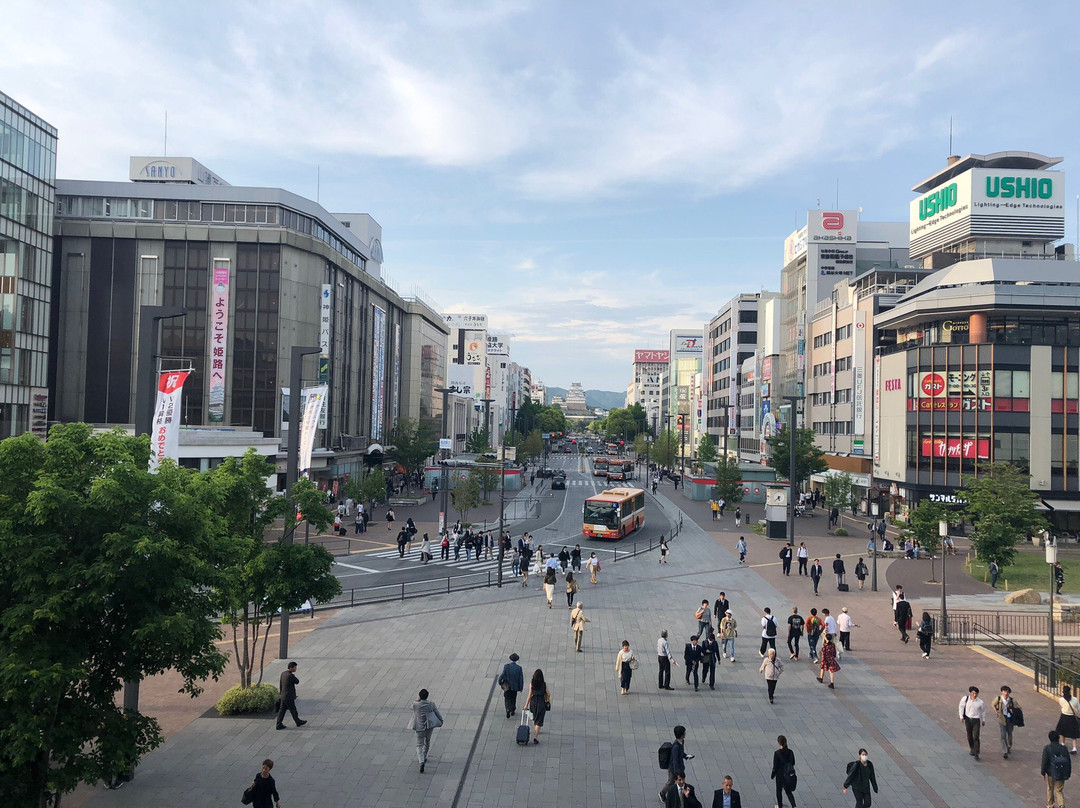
963,626
1048,674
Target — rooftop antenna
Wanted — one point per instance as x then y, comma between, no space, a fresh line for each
165,148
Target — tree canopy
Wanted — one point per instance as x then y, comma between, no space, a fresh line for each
809,459
840,490
728,480
413,443
666,449
706,449
924,524
1001,506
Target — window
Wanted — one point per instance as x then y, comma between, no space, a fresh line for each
748,316
843,332
843,363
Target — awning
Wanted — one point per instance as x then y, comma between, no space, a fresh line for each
1069,505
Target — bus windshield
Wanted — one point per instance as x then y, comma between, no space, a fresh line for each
602,513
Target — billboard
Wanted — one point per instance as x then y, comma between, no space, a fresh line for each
219,338
795,245
475,346
1013,203
378,371
462,380
466,321
832,227
687,344
496,346
652,356
166,427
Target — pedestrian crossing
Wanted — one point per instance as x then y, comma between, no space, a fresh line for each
472,565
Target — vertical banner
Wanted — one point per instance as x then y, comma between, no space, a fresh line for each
858,377
395,408
219,339
313,399
378,371
326,315
165,432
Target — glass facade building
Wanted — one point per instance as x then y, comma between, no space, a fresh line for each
27,198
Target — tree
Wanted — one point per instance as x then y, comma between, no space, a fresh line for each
706,450
666,449
533,446
923,524
414,443
488,476
840,490
373,487
466,496
262,578
728,480
641,445
1001,506
809,459
477,441
552,419
110,574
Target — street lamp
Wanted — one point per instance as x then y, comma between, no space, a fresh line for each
873,546
1051,560
943,532
445,443
793,404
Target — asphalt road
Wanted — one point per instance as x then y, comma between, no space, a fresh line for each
374,561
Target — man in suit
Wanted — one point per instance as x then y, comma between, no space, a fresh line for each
902,616
287,689
785,556
726,797
512,680
677,767
681,794
710,654
721,607
692,659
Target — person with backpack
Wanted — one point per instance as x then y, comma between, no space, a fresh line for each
785,559
676,760
860,779
814,627
783,772
768,632
861,573
925,634
1056,767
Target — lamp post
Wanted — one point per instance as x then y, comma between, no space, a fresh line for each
487,427
1051,561
793,404
292,463
445,442
943,631
873,544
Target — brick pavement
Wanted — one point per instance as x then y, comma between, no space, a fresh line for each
361,669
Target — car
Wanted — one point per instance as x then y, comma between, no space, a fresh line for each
558,483
545,472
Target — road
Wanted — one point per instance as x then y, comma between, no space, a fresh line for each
373,558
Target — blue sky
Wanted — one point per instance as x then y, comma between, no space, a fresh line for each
589,174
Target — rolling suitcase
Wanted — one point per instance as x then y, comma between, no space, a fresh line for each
842,587
524,729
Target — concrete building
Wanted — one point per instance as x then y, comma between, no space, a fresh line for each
27,306
685,351
757,414
538,393
647,388
980,360
259,270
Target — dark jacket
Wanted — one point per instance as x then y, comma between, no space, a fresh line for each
786,554
678,758
721,607
903,612
816,571
709,652
513,676
264,791
1048,752
862,778
691,654
838,566
781,759
287,685
718,799
672,800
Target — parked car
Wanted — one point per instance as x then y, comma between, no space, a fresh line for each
558,483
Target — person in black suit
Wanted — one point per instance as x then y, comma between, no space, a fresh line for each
721,607
785,556
287,692
692,659
726,797
514,678
902,616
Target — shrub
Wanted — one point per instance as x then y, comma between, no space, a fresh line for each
255,699
840,531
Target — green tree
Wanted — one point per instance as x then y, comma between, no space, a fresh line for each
373,487
923,524
552,419
1001,506
488,476
262,578
110,574
840,491
533,446
666,449
466,496
641,445
728,480
809,459
706,450
477,441
413,443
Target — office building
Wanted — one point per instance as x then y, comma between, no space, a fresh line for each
646,386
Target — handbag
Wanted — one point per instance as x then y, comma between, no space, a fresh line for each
1017,717
248,796
634,664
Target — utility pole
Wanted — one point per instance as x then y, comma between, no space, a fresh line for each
487,427
445,442
793,403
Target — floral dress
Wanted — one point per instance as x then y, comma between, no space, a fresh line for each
828,657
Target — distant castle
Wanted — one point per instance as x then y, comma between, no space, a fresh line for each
575,400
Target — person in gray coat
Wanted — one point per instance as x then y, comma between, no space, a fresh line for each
426,719
512,681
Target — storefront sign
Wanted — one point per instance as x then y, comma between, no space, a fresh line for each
965,448
652,356
931,384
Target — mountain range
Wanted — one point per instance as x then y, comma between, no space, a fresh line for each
594,399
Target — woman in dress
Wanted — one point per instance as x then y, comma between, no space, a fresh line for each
537,702
622,667
828,661
1067,726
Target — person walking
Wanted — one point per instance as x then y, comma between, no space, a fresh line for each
720,607
729,630
263,789
740,547
677,767
575,558
577,623
785,559
550,579
426,719
625,662
1068,725
425,550
973,714
512,682
571,589
838,570
287,696
828,661
715,508
768,631
861,573
844,625
815,574
794,633
925,634
538,702
771,668
444,547
834,517
692,660
663,550
594,566
515,563
738,515
860,779
902,616
358,522
664,661
1056,768
814,627
389,518
803,554
564,558
1004,706
1059,577
783,772
727,796
682,794
710,656
402,540
704,618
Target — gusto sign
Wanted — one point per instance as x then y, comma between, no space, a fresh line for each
932,384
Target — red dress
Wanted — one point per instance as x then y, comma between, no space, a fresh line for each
828,657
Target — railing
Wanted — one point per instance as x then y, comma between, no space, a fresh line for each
1048,674
963,626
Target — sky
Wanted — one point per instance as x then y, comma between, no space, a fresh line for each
588,174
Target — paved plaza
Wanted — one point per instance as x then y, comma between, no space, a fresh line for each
361,669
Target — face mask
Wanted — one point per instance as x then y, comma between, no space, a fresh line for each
862,758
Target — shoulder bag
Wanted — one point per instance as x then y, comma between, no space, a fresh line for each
248,796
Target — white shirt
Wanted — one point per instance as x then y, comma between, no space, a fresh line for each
765,624
663,649
803,552
830,625
844,622
973,708
593,562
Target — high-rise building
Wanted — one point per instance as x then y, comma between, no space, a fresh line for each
686,348
649,368
27,316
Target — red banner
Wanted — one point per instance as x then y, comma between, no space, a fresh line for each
965,448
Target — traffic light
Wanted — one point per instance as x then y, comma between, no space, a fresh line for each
681,420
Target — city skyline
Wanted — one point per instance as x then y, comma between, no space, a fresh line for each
589,178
